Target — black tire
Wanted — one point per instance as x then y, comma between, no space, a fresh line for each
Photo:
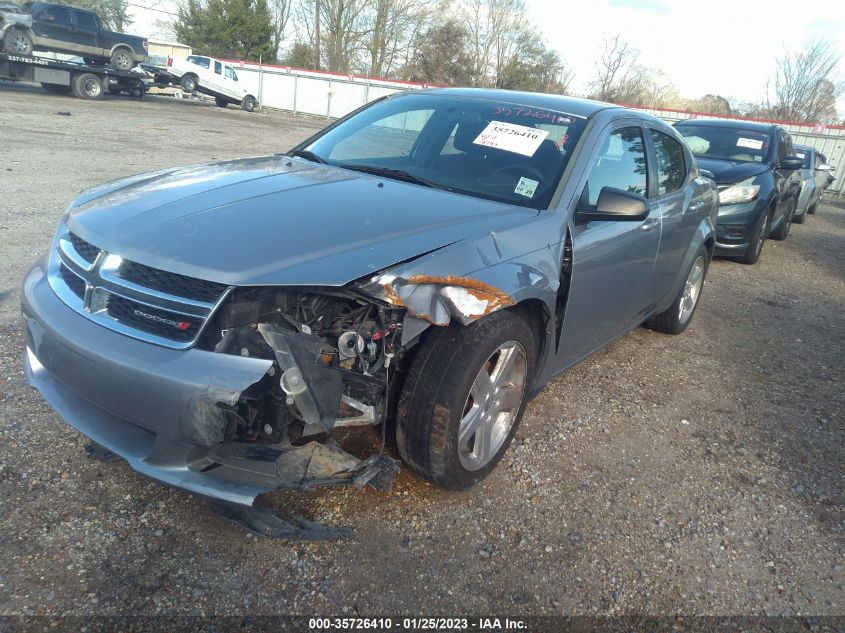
813,207
188,83
17,42
249,103
782,231
114,90
756,240
799,219
87,86
56,89
437,395
674,320
122,59
220,102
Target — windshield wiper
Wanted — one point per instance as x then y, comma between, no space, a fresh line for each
396,174
308,155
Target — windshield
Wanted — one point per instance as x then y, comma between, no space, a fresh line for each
476,147
726,143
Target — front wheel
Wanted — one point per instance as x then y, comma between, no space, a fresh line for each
679,315
464,397
756,241
249,103
17,42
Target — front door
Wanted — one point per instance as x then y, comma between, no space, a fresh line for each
52,27
612,261
84,33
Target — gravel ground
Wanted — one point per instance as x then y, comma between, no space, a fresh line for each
700,474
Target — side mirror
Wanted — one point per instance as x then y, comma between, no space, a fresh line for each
824,168
791,163
615,204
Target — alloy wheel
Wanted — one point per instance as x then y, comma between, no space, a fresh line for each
492,405
692,290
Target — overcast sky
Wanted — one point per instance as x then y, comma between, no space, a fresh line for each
725,47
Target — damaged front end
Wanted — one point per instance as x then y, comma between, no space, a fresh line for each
331,353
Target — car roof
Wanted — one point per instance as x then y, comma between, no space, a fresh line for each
730,123
569,105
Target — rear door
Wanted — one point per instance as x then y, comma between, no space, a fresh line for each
86,32
670,176
612,261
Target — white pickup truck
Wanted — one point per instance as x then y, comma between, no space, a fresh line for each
212,77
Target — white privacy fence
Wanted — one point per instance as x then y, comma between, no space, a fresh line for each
333,95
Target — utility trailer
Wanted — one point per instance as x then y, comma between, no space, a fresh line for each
63,77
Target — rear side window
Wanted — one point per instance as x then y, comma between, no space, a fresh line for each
671,167
85,21
621,164
199,61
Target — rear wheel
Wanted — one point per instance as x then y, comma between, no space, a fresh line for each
56,89
221,103
678,316
122,59
188,83
464,397
249,103
813,207
87,86
17,42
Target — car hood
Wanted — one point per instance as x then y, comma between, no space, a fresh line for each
728,172
278,221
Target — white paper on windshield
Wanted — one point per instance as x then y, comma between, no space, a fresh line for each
800,154
526,187
510,137
750,143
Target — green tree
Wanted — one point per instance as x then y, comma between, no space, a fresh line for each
237,29
112,12
300,55
440,56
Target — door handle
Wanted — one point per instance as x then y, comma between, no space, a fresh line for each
650,224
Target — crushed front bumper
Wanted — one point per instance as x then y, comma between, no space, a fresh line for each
160,409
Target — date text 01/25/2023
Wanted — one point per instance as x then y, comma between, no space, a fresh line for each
417,624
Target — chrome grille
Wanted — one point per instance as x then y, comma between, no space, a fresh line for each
146,303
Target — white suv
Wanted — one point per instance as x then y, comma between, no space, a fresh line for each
212,77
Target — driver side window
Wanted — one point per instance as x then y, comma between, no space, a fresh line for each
621,164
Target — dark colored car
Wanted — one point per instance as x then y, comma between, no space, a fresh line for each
62,29
756,173
432,260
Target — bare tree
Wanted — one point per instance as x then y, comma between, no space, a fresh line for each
804,86
493,27
619,76
393,26
280,10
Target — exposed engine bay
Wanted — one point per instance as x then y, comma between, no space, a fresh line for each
332,351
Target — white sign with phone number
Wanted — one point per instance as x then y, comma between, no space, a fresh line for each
510,137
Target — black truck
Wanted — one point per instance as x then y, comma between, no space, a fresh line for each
59,28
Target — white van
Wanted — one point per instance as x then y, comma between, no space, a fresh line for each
212,77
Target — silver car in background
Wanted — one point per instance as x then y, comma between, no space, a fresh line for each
815,178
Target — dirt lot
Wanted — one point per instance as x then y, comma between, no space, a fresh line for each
700,474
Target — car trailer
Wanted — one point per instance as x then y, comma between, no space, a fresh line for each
61,78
